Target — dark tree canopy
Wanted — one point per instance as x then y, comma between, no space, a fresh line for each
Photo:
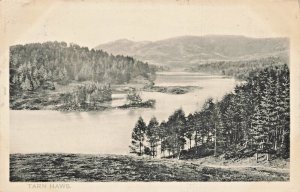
254,118
138,137
32,65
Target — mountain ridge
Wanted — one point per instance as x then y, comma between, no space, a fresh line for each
189,50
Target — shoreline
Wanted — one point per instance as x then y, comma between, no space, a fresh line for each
40,101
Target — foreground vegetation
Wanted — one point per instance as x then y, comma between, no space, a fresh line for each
254,119
89,168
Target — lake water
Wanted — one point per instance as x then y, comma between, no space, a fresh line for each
108,132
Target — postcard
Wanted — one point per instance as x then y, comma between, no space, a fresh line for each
150,95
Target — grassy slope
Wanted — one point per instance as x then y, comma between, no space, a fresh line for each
71,167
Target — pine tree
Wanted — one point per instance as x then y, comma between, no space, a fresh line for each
35,84
176,124
35,73
278,109
162,134
152,135
268,104
285,113
21,77
43,72
219,130
208,125
26,85
138,136
61,75
199,127
244,110
258,131
15,79
48,75
66,73
190,127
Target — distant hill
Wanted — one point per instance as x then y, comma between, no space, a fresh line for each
239,69
186,51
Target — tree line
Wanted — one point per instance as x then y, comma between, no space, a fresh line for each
32,65
254,118
240,69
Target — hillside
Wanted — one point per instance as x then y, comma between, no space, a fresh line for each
185,51
58,61
239,69
56,73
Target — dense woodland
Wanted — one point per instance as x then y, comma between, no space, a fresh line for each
34,65
239,69
254,118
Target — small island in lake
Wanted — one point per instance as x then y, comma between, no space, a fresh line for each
176,90
134,100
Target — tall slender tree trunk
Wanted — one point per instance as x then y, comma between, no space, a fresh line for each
215,149
256,156
207,138
196,139
162,151
153,151
268,152
276,138
140,148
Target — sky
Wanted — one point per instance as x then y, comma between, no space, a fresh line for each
92,23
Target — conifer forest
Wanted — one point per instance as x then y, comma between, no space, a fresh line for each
252,119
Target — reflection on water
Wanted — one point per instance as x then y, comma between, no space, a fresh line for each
108,131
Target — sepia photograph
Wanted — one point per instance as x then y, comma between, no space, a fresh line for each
144,91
